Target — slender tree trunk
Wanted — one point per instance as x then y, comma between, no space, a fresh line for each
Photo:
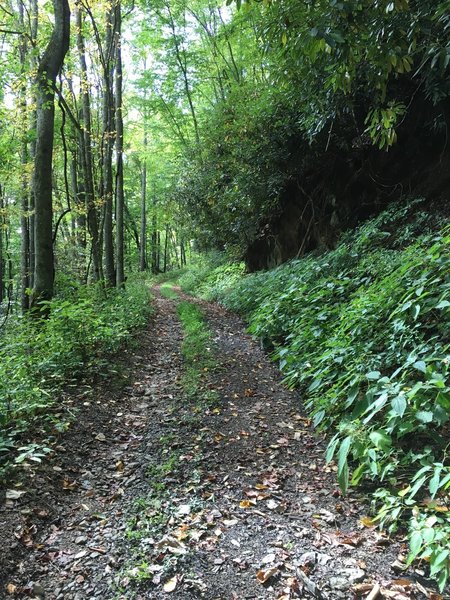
108,143
34,17
155,242
79,200
158,252
166,248
175,248
49,66
86,149
120,199
24,218
183,253
143,237
2,259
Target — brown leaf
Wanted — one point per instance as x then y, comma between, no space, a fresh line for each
247,503
11,588
69,485
265,574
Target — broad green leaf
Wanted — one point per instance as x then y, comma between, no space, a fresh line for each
380,439
399,405
443,304
424,416
420,366
415,545
373,375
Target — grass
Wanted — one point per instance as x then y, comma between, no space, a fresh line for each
198,353
167,291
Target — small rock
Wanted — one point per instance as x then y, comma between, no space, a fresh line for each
37,590
81,539
345,578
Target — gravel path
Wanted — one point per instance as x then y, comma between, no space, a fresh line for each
152,494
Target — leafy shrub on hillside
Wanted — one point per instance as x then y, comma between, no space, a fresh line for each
211,278
36,359
364,332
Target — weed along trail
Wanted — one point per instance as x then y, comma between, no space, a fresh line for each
199,479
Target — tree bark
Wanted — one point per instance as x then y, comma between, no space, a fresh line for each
2,260
108,143
120,199
24,218
86,146
143,236
34,17
48,69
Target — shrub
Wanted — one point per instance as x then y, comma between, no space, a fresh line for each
363,331
36,359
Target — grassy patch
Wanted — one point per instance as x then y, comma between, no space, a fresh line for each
198,353
167,291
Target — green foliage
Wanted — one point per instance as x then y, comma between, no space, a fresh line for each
37,359
199,356
167,291
210,277
364,332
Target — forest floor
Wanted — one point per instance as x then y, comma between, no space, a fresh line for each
219,493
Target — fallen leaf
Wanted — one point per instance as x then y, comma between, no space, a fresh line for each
100,437
247,503
11,588
14,494
367,522
120,466
69,485
170,585
265,574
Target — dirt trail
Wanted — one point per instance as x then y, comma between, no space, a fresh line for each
152,494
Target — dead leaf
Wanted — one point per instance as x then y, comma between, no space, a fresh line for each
69,485
170,585
14,494
247,503
265,574
367,522
11,588
120,466
100,437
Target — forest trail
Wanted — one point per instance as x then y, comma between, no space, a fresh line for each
153,493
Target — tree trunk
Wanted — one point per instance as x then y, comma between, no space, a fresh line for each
24,219
120,199
166,248
34,16
158,252
155,240
143,237
48,69
86,149
108,143
2,260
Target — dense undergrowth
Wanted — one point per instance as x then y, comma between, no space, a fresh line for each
363,331
38,358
